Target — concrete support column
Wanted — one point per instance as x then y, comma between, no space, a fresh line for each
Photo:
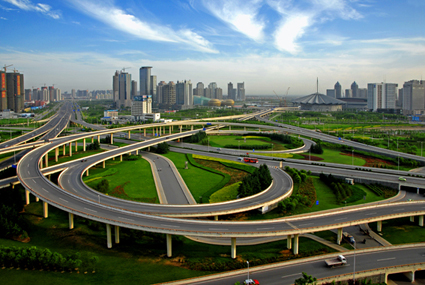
144,132
233,248
112,138
149,148
180,127
117,234
129,135
56,154
84,144
169,245
46,160
76,146
259,130
70,149
92,139
410,275
87,172
27,197
103,164
120,157
289,241
37,199
160,131
137,152
170,130
412,219
45,209
379,226
64,150
244,128
296,242
108,236
215,218
421,221
98,139
71,220
281,164
339,236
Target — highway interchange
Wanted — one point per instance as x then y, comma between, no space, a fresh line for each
78,199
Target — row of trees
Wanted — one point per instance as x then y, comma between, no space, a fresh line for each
252,184
94,146
35,258
195,138
286,139
341,190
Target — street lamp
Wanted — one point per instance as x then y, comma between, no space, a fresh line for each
247,262
352,157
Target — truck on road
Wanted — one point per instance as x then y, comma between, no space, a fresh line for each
338,261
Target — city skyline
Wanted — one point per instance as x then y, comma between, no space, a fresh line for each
269,45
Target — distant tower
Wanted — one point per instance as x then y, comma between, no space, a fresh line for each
230,93
241,91
355,89
145,80
153,89
337,88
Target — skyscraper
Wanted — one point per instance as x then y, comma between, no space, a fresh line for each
159,91
200,89
184,93
15,91
122,89
230,93
381,96
330,93
3,91
169,95
338,92
145,80
355,89
153,89
241,91
414,95
219,93
133,88
348,93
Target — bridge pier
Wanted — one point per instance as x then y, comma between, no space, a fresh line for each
339,236
87,172
117,234
289,241
45,210
410,275
244,128
120,157
421,221
379,226
103,164
108,236
27,197
191,127
144,132
76,146
37,199
84,144
169,245
180,127
129,135
112,138
56,154
46,159
98,139
296,244
137,152
64,150
70,149
71,220
92,139
170,130
215,218
160,131
412,219
233,248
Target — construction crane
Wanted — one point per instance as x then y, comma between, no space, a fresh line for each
280,99
124,68
6,66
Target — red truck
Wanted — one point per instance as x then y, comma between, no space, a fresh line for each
251,160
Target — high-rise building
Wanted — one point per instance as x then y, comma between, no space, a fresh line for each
230,91
35,94
141,105
145,80
28,94
338,92
381,96
3,91
208,92
169,95
15,91
199,89
241,91
348,93
153,89
159,91
219,93
355,89
52,93
73,90
184,93
121,85
133,88
414,95
212,86
330,93
362,92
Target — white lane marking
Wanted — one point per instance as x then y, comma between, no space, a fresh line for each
340,219
265,228
34,181
90,210
45,190
291,275
126,219
369,214
216,229
302,225
68,181
383,259
63,200
170,226
28,172
28,165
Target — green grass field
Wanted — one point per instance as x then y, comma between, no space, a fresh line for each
335,156
227,193
221,141
198,181
401,231
134,178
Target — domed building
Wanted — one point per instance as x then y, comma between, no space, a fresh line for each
228,103
214,102
319,102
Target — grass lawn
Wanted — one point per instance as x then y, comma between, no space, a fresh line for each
222,141
130,180
400,231
75,155
227,193
335,156
198,181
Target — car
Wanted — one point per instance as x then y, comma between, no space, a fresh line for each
251,282
402,179
240,158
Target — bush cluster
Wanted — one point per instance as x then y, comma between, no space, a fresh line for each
11,223
94,146
252,184
316,148
162,148
287,139
195,138
341,190
34,258
248,146
103,186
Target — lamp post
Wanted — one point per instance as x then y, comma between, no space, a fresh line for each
247,262
398,160
352,157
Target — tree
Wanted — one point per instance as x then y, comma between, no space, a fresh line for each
162,148
103,186
306,279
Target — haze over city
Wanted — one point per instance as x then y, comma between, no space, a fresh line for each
269,45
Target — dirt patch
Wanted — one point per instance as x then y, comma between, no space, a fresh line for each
371,161
312,157
236,175
119,190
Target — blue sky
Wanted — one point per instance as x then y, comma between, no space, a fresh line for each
268,44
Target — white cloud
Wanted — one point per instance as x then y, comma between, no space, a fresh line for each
296,21
121,20
241,15
39,7
3,18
